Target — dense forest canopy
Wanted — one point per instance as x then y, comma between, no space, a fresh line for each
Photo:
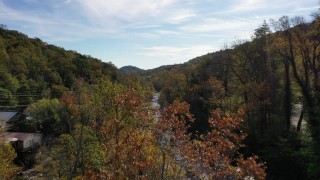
32,69
219,112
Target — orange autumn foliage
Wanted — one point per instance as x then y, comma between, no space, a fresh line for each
211,155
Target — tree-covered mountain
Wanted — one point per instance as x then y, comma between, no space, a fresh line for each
131,69
31,69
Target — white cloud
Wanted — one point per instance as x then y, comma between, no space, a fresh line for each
53,26
309,9
30,1
180,16
133,11
246,19
126,10
147,26
250,5
176,54
11,14
215,24
270,7
167,32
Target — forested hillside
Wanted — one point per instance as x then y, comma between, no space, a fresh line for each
131,69
268,77
225,115
99,124
31,69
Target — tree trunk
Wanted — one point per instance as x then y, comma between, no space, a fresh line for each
288,96
163,164
78,153
300,118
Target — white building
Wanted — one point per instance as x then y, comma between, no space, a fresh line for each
23,141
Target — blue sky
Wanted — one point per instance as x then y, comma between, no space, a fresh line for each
145,33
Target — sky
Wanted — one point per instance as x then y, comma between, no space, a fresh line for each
145,33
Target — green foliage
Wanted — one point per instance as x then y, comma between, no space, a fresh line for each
108,132
33,64
7,99
64,153
7,167
308,158
131,70
58,91
45,116
9,82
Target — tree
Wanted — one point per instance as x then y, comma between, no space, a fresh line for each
69,161
3,26
79,113
46,116
8,81
7,99
254,81
7,155
218,98
204,97
174,86
300,47
126,125
108,134
172,135
211,155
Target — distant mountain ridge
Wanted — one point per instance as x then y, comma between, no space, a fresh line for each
131,69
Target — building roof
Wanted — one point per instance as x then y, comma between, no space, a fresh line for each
11,116
6,116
